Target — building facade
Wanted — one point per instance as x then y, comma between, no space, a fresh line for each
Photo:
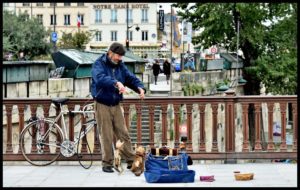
58,17
9,7
107,22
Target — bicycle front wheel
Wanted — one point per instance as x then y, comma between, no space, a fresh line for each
40,142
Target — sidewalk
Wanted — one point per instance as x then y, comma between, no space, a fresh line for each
161,84
265,175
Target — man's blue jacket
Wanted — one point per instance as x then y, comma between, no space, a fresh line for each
104,78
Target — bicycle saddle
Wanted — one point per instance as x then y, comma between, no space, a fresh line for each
58,101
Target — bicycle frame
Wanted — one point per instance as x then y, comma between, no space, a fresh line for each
90,124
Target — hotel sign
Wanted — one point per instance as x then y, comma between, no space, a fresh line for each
122,6
161,20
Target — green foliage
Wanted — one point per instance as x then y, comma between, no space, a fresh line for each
278,64
267,38
21,34
171,131
181,118
7,45
76,41
134,117
219,84
226,81
43,57
192,89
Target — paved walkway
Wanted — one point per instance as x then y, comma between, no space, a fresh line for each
58,175
161,85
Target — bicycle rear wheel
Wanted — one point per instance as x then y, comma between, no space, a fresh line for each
40,142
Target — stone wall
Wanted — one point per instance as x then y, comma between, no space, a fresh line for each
207,80
53,87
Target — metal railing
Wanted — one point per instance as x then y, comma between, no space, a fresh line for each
252,145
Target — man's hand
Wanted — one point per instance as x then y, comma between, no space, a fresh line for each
120,87
142,93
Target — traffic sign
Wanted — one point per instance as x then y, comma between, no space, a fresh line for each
213,50
54,36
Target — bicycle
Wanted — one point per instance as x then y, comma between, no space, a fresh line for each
44,137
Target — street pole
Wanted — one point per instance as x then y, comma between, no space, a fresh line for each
171,79
237,49
128,27
54,23
78,26
127,31
183,34
54,17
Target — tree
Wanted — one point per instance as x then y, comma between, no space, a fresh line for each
77,41
21,34
262,27
278,64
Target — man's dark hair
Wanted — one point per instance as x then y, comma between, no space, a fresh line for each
117,48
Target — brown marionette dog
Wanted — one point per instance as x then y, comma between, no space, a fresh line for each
139,161
117,157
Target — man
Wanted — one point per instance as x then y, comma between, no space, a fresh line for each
156,70
109,78
167,69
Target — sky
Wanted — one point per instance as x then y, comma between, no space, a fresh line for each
165,6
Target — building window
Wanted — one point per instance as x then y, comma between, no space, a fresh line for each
81,19
5,4
53,20
144,35
144,15
52,4
114,16
114,36
26,4
98,16
40,18
67,4
98,36
130,20
39,4
80,4
67,20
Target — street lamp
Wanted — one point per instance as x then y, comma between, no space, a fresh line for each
137,28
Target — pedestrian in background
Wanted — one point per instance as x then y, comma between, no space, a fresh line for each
156,70
109,78
167,69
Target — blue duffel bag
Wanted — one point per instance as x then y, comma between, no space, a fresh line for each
178,162
169,176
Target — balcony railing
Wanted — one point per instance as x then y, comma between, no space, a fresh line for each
272,150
